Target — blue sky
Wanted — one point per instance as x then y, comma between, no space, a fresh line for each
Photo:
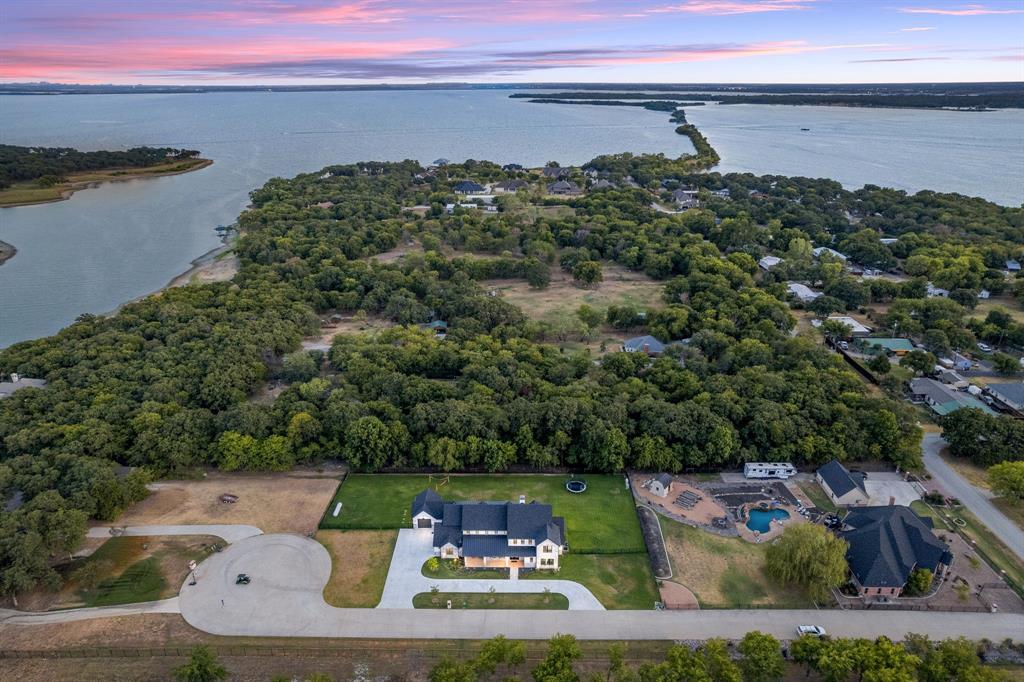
408,41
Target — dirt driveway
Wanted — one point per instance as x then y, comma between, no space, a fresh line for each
287,502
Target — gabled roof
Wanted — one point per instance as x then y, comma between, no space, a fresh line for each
512,184
493,545
769,262
832,252
1009,393
890,344
887,543
664,479
648,343
840,480
1012,265
469,186
555,171
563,186
484,516
428,501
524,520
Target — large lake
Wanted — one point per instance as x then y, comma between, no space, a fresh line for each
108,245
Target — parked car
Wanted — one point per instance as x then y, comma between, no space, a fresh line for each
844,345
812,630
984,347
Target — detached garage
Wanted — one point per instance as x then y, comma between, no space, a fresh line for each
427,509
844,488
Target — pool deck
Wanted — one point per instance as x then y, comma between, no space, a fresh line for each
776,528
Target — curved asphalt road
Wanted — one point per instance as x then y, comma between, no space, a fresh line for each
972,498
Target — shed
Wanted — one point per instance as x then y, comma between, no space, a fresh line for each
661,485
843,487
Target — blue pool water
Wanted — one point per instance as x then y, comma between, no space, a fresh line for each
761,519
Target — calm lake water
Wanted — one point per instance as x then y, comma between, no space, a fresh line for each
108,245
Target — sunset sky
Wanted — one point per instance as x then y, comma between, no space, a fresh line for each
409,41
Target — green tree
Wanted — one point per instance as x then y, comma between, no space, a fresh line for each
298,367
202,666
1005,363
451,671
918,361
369,444
557,664
588,273
809,556
762,658
536,273
918,582
879,364
1007,479
592,317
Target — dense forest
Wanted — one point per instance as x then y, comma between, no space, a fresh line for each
167,384
20,164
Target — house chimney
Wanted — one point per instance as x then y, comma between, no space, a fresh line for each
522,499
15,377
647,348
892,501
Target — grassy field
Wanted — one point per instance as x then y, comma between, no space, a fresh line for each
601,519
816,495
619,581
1007,303
450,569
486,600
724,572
357,584
978,534
21,194
1013,509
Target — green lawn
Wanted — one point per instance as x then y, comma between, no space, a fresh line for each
723,572
601,519
486,600
816,495
619,581
142,581
1013,509
997,552
450,569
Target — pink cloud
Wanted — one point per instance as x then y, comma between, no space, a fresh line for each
962,11
916,29
725,7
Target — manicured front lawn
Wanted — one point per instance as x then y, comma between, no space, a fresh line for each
724,572
486,600
359,565
619,581
988,544
448,569
603,518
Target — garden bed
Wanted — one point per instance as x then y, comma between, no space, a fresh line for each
487,600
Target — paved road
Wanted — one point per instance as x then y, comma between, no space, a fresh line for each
971,497
229,532
405,579
9,617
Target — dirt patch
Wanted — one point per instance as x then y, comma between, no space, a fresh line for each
275,503
360,560
406,247
704,512
655,544
675,596
560,300
347,325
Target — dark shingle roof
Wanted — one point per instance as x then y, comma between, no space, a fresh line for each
839,479
512,184
887,543
493,545
637,343
484,516
524,520
428,501
468,186
664,479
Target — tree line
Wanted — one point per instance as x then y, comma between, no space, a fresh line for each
21,164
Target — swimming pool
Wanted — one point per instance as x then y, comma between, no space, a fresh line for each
761,519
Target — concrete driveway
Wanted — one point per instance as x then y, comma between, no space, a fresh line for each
881,492
405,579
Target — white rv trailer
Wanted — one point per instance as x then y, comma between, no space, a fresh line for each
768,470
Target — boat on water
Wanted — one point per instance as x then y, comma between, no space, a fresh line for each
805,129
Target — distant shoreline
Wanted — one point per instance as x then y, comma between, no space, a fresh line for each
64,190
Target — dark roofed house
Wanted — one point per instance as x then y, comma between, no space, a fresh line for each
555,172
1012,266
563,187
643,344
508,167
511,185
1010,396
686,198
887,544
602,184
18,382
469,187
844,488
492,534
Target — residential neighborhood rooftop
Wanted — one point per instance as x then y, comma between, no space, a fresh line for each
887,543
840,479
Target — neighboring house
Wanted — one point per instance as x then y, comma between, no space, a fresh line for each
555,172
563,187
492,534
856,328
441,162
450,208
602,184
844,488
469,187
933,291
952,379
832,252
722,193
1009,395
889,240
984,294
510,167
802,292
643,344
961,362
439,327
889,346
887,544
1012,266
511,186
325,204
686,198
943,399
661,485
18,382
769,262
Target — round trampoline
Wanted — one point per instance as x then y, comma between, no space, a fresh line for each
576,485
